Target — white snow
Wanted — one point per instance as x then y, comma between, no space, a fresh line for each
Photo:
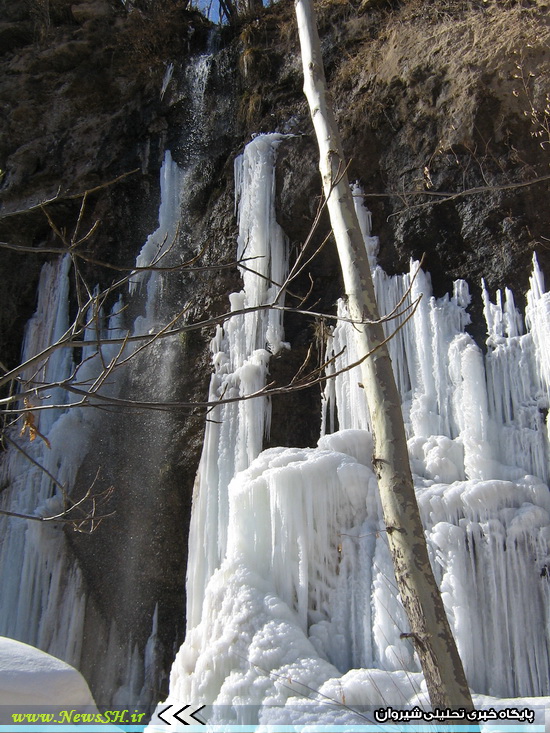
29,676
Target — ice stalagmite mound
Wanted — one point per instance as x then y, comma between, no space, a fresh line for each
291,588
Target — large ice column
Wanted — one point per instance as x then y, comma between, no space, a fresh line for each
300,499
291,600
241,351
261,246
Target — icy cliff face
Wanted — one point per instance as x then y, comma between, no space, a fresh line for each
38,602
478,442
296,586
488,410
45,599
290,587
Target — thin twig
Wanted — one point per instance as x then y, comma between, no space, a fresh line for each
267,391
67,197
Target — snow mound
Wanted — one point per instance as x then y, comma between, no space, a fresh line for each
29,676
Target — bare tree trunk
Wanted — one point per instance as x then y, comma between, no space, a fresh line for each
430,629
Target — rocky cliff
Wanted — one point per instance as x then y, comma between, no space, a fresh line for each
444,111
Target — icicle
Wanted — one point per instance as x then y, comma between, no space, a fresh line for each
49,323
158,245
365,222
241,351
150,663
167,79
129,692
517,388
538,321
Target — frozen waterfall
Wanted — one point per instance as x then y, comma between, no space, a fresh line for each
293,614
43,599
290,581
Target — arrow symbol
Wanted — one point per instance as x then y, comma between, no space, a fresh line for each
185,715
188,718
160,714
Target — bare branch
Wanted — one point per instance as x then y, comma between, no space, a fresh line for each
59,198
66,341
89,398
88,518
32,460
443,196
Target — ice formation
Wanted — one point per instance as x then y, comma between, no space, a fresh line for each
291,596
290,582
241,351
154,252
44,601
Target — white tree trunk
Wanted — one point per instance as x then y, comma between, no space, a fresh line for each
430,630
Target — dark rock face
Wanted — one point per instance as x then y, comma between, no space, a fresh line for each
80,106
443,112
449,119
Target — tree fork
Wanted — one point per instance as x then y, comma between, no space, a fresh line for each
430,628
